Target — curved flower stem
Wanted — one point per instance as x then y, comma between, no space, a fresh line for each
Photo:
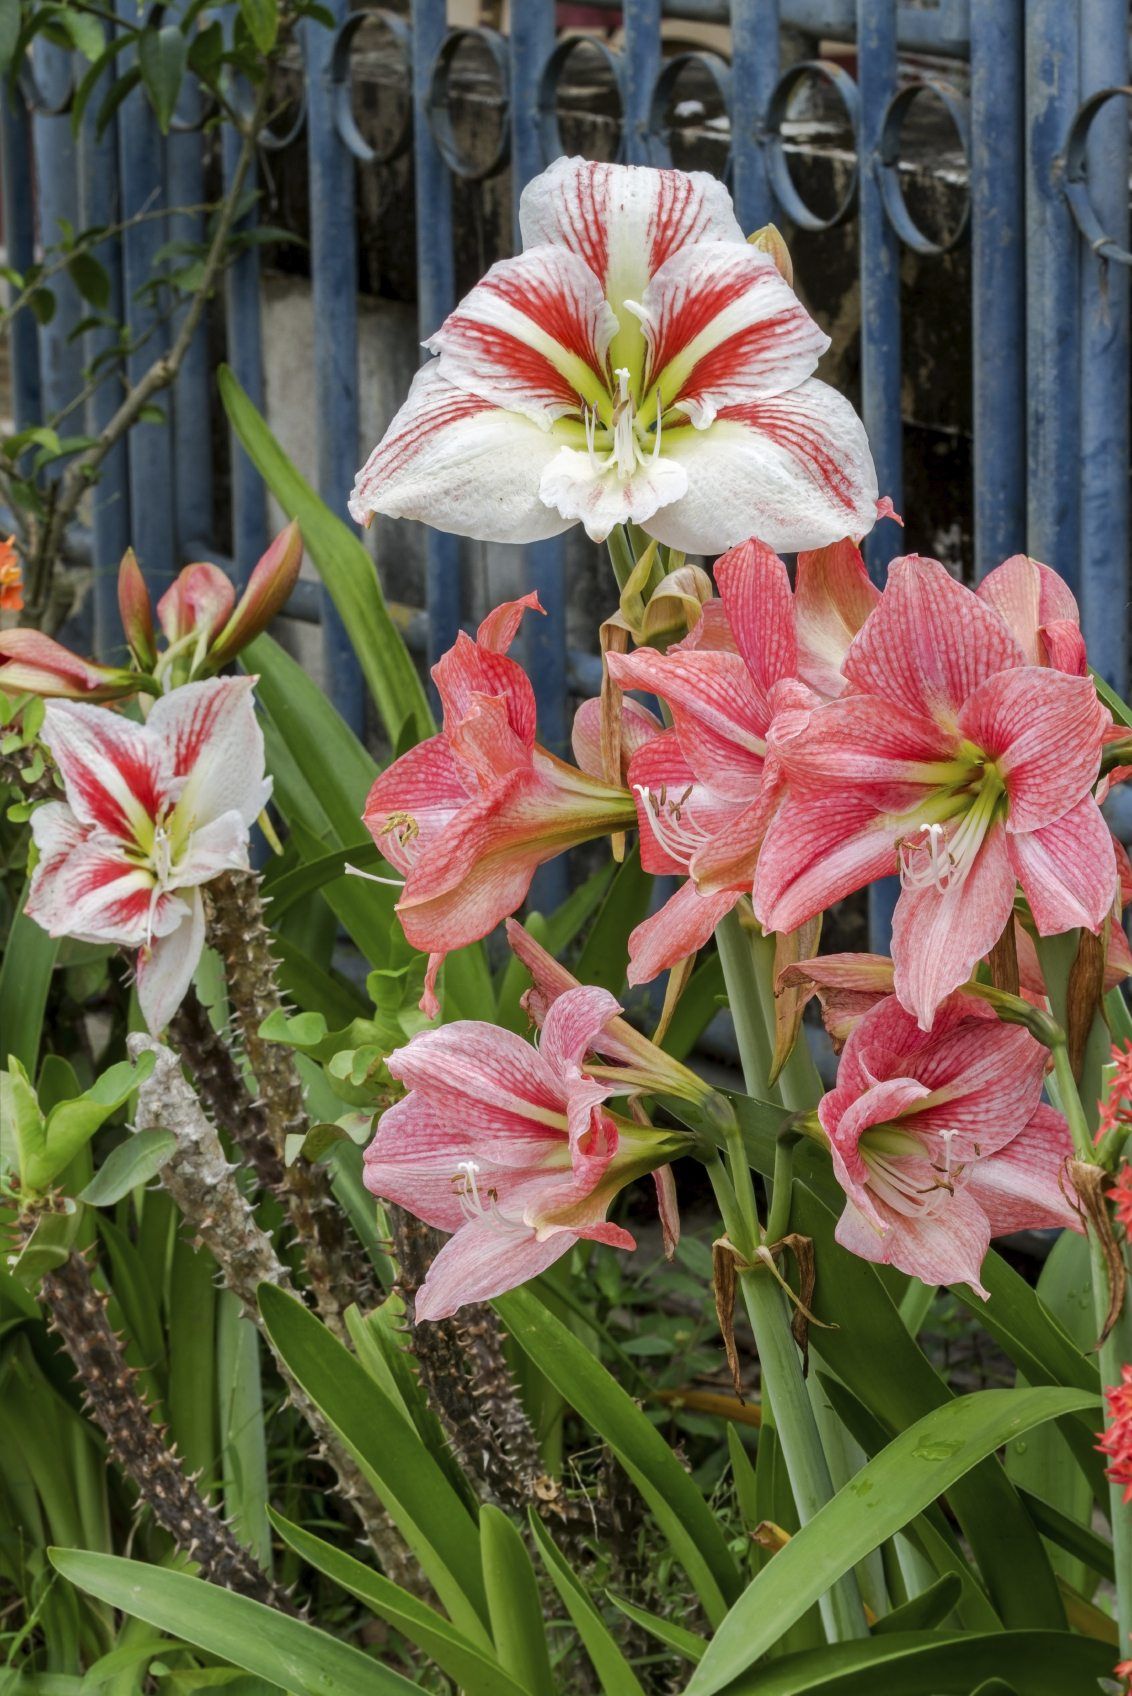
1115,1351
784,1386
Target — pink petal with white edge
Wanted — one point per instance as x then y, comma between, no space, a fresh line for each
1067,870
116,775
794,470
833,597
166,969
1044,731
460,464
724,327
483,1259
939,936
946,1247
638,726
216,746
1024,1187
756,595
930,642
681,927
1026,595
531,335
625,220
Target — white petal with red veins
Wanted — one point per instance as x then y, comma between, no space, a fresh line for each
165,970
602,499
531,336
794,470
217,748
460,464
116,776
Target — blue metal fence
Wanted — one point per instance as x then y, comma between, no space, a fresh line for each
1045,130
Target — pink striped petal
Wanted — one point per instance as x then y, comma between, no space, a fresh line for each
1024,1186
723,327
200,599
832,599
861,739
794,470
216,746
638,726
939,936
489,1084
460,464
681,927
719,716
930,642
165,969
816,851
845,1117
481,1261
573,1026
1067,870
760,611
424,785
501,626
945,1247
1044,731
624,220
116,775
1063,647
485,743
469,670
1027,595
531,336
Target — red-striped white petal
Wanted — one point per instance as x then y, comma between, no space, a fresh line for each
723,327
793,469
83,885
216,746
625,220
930,642
585,491
461,464
116,775
165,969
531,336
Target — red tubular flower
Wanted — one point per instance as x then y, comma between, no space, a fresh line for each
953,759
1117,1440
468,816
11,577
940,1140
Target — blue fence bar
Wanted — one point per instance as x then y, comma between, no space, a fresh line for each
640,61
998,214
754,72
16,175
192,391
1105,349
436,295
1052,305
334,292
110,496
60,355
141,174
245,356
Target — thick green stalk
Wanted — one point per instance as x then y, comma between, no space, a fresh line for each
1115,1351
780,1363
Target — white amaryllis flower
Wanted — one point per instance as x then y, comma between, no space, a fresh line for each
639,360
153,811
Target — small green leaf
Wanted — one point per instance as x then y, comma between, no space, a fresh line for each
84,30
132,1163
42,303
262,19
9,34
161,60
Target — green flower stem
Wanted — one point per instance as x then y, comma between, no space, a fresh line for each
621,556
1115,1351
783,1385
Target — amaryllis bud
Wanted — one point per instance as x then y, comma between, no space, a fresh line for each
200,600
136,611
33,664
770,240
268,588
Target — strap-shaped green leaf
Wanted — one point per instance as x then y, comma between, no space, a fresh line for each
614,1673
891,1489
680,1510
513,1601
431,1517
287,1652
477,1673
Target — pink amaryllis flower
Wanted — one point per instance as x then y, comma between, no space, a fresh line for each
509,1148
707,789
940,1140
469,815
638,361
152,812
950,759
